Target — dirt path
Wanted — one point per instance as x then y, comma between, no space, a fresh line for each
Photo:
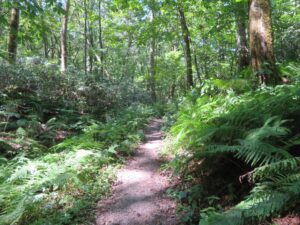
139,196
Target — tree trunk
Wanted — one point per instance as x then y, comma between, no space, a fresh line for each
85,37
63,38
172,91
261,42
101,40
197,66
152,58
46,46
128,64
91,47
52,48
13,35
188,55
241,37
1,16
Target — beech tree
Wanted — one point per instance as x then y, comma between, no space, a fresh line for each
261,41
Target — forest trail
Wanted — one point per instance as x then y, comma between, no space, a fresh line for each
139,197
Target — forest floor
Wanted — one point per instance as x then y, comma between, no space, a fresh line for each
139,195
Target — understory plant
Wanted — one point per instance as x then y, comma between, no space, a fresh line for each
60,184
258,132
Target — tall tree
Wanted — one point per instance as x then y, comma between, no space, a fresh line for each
241,36
197,66
85,36
64,37
152,53
13,33
90,26
261,41
187,46
91,47
101,45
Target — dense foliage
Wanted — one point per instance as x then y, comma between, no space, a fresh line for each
260,130
79,79
61,139
57,185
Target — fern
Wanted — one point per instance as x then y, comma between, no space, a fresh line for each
255,149
69,176
261,128
286,166
265,199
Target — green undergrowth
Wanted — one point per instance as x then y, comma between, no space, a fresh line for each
238,155
59,185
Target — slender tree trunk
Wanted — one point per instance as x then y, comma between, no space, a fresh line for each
91,55
1,13
85,37
91,44
172,91
63,38
13,35
91,47
52,48
101,40
241,37
128,65
46,46
58,45
197,66
261,42
152,58
187,41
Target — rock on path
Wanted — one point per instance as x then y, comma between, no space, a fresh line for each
139,196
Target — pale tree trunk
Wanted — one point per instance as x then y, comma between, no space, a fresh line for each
187,43
261,42
13,35
64,37
241,37
152,57
101,45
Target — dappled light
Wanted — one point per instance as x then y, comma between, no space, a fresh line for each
149,112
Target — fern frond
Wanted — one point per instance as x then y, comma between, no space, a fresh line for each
257,207
286,166
252,152
260,153
273,127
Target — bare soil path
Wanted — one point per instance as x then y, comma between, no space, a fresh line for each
139,197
